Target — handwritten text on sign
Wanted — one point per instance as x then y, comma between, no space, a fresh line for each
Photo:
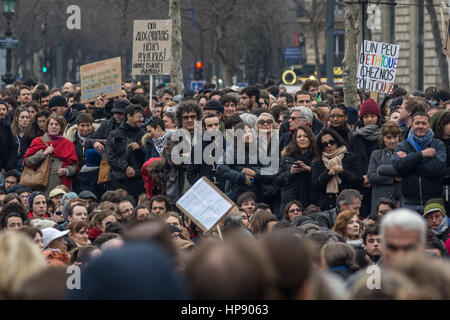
377,65
152,46
101,77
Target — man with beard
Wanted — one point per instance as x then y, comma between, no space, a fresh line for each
207,167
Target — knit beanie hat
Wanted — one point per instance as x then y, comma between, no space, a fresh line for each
33,195
93,158
57,101
369,106
432,205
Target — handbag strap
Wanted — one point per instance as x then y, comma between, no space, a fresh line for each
42,139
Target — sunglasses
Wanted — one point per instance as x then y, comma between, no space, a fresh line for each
156,171
295,210
58,213
270,121
328,143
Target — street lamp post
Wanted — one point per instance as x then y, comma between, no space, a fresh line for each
8,11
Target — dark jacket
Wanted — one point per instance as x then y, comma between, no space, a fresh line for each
316,126
295,186
381,175
345,133
262,186
421,177
351,177
105,129
88,177
8,147
196,171
120,155
363,149
327,218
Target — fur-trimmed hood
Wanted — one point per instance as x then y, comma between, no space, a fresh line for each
71,132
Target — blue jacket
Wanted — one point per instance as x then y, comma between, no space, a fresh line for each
421,177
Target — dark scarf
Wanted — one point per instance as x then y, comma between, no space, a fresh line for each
342,131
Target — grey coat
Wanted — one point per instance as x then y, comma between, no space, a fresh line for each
381,175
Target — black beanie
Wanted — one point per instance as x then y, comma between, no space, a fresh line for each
57,101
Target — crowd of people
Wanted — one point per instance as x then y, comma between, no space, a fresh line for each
95,185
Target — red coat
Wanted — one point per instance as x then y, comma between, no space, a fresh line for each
63,149
148,181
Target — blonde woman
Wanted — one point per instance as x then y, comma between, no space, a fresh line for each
21,259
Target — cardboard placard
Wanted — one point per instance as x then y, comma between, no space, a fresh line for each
378,63
205,204
152,42
101,77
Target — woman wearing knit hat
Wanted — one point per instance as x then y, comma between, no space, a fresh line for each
364,143
436,216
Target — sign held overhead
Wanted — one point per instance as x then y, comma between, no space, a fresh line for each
101,77
152,41
377,66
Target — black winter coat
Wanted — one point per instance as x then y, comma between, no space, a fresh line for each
351,177
105,129
363,149
295,186
120,155
421,177
263,185
8,147
196,171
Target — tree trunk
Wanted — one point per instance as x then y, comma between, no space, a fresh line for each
123,38
350,61
316,51
443,66
176,72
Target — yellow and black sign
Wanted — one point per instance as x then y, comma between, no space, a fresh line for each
290,78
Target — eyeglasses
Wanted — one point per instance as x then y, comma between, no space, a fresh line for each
328,143
269,121
295,210
295,118
337,116
189,117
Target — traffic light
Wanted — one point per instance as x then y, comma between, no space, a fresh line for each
198,71
44,69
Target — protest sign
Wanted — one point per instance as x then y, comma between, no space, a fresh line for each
205,204
377,65
152,40
101,77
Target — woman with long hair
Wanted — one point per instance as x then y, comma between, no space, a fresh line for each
20,124
294,176
334,169
64,164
